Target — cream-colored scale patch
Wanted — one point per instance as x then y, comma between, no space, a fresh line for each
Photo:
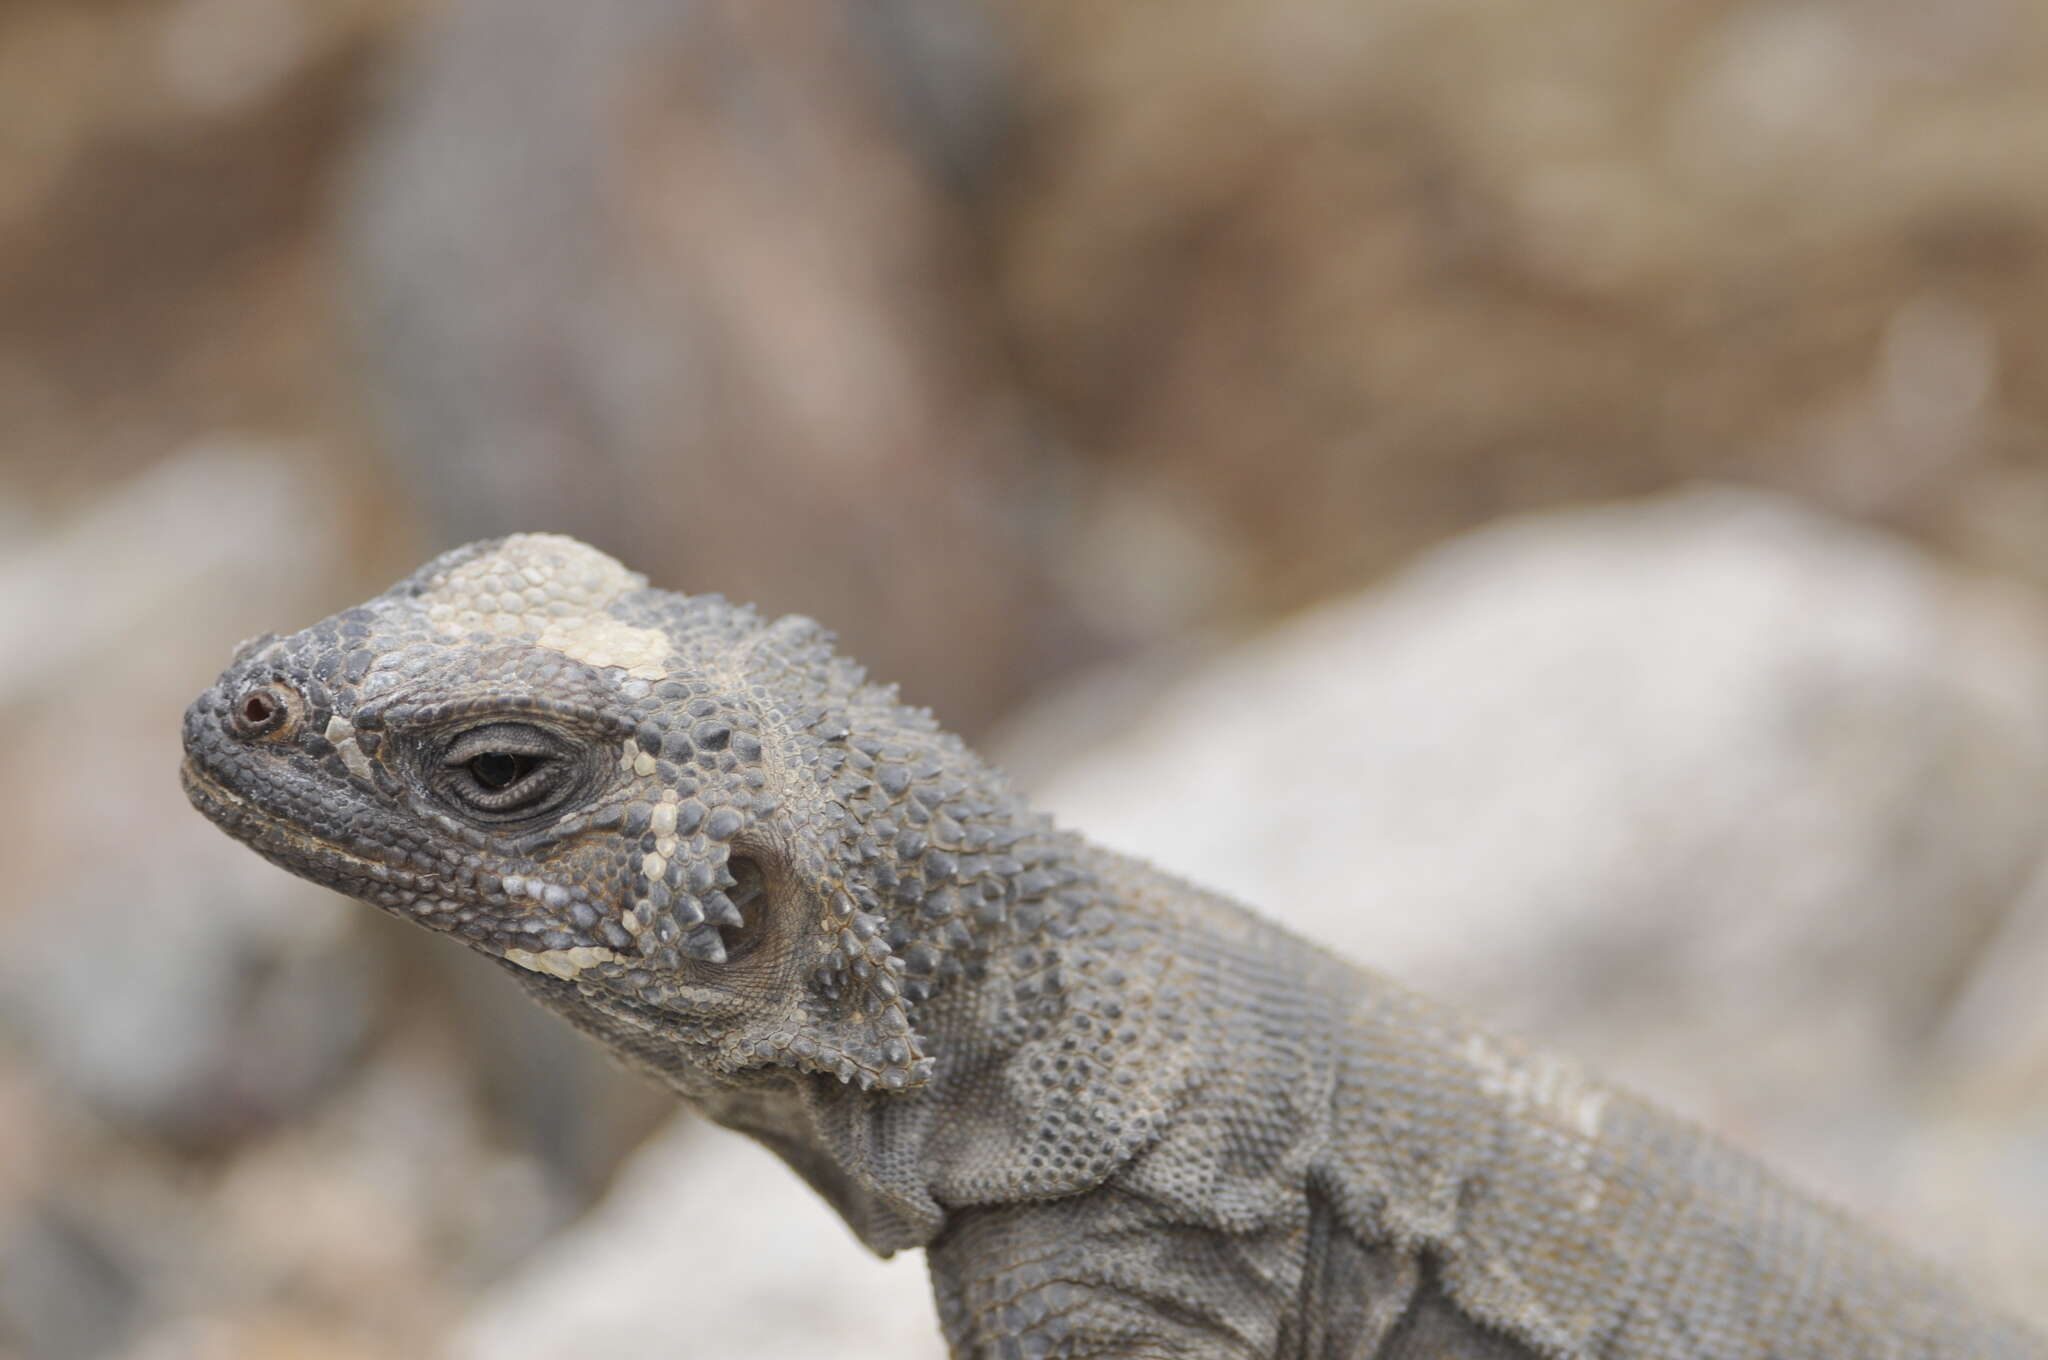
341,734
554,590
604,641
565,964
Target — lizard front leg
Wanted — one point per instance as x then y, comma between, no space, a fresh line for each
1111,1274
1092,1277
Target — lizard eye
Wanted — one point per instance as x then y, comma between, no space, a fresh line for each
506,771
496,770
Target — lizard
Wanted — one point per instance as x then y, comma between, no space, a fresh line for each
1123,1116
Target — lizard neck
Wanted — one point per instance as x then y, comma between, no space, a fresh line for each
1060,1055
1059,1052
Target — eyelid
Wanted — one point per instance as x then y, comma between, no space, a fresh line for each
499,739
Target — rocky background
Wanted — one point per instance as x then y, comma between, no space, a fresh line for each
1604,445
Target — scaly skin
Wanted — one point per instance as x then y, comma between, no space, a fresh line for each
1124,1116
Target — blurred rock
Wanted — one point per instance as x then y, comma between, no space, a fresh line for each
707,1245
176,984
61,1298
691,281
201,1141
1735,799
162,991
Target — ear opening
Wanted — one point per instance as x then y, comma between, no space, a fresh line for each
739,914
849,1019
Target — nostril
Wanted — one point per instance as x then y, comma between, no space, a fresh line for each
260,710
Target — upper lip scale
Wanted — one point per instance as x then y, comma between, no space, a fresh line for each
222,797
227,800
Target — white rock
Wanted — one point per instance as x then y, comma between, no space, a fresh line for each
706,1246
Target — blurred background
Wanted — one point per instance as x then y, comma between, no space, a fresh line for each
1593,457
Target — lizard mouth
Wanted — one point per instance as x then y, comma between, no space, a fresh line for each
426,899
283,844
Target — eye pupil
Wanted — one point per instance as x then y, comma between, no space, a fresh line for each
257,708
500,769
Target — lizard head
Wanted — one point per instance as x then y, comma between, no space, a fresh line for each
659,807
